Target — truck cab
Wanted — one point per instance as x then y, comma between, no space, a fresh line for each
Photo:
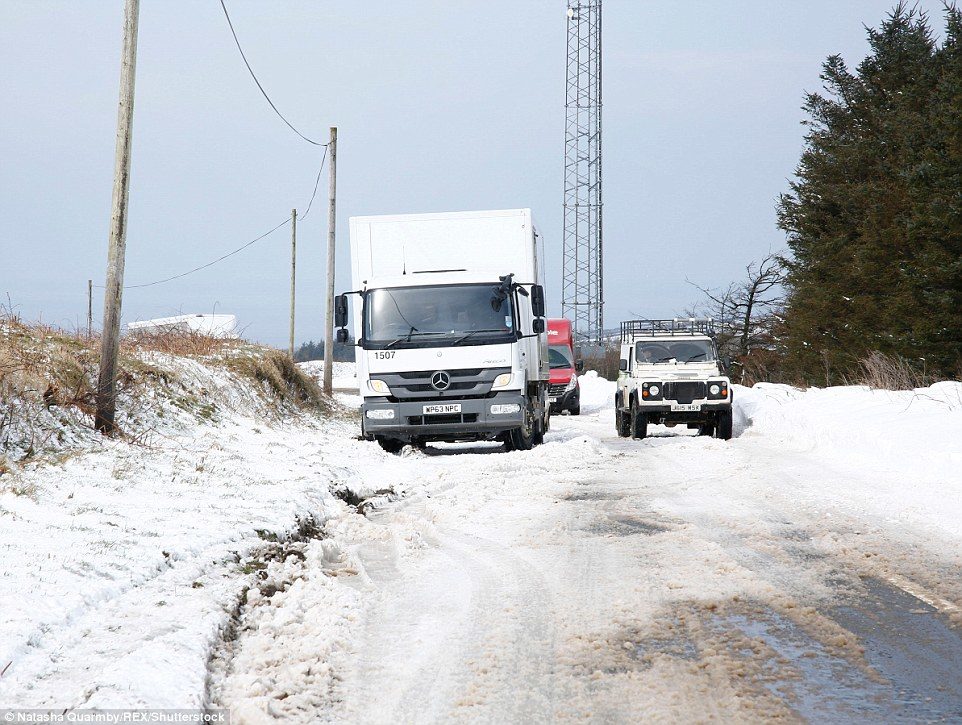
449,316
670,374
564,393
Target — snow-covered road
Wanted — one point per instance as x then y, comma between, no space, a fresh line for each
784,574
807,569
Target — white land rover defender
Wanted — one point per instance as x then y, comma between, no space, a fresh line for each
670,374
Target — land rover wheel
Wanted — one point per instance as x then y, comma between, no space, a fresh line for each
723,425
639,422
622,423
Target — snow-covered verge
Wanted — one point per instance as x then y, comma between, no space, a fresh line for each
124,559
903,447
166,383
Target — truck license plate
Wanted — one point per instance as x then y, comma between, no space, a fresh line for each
686,407
446,408
552,400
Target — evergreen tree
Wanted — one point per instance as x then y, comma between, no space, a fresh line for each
873,218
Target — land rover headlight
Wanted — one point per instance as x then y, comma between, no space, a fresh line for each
718,390
651,391
502,381
378,386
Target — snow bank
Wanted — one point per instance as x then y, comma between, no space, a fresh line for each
907,444
597,393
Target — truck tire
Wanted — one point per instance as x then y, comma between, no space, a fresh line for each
576,410
723,425
391,445
639,422
523,438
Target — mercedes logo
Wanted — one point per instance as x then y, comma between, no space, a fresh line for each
440,380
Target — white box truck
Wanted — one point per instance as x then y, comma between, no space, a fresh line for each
449,317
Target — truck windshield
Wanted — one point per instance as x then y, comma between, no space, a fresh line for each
674,351
559,356
437,316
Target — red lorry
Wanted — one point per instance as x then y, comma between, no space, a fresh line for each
564,392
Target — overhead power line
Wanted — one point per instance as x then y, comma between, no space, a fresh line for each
263,92
209,264
317,182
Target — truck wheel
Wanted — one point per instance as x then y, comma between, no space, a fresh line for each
639,422
723,426
576,410
523,438
391,445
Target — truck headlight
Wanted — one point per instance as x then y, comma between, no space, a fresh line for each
505,409
378,386
502,381
380,414
572,384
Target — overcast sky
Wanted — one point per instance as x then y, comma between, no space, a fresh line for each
440,106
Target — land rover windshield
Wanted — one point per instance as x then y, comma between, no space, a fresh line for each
437,316
674,351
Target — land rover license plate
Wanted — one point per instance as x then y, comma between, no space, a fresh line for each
685,407
446,408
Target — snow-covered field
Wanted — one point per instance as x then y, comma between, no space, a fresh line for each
592,579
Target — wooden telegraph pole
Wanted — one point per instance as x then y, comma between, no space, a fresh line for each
90,308
329,329
290,347
110,340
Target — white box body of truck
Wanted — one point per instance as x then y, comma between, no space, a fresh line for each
450,345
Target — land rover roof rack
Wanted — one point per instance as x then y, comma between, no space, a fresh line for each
675,326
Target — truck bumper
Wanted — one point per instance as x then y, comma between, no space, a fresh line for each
474,421
568,400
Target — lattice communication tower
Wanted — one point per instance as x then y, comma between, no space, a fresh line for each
582,282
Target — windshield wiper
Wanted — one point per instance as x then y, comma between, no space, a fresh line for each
695,357
474,332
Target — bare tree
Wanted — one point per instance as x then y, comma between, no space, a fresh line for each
746,311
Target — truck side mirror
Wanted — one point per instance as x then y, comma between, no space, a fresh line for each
580,366
340,311
537,326
537,300
623,365
341,335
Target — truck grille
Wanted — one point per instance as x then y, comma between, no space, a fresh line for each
556,391
684,392
466,383
442,419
